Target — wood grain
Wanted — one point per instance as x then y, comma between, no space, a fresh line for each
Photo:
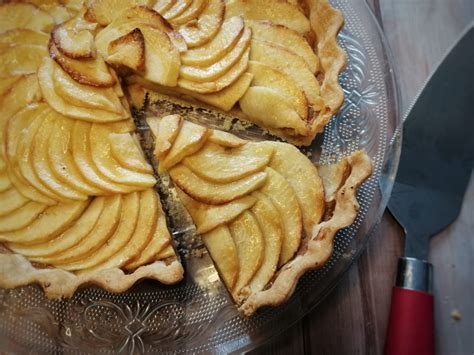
353,319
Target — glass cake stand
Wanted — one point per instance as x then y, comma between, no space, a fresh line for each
197,315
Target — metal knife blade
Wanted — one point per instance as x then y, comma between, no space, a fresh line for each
437,151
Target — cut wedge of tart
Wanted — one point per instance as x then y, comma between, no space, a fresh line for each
273,63
260,207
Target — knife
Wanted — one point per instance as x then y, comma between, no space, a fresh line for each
434,170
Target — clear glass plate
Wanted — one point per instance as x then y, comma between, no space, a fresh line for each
197,315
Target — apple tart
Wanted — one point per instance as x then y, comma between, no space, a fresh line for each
265,212
79,205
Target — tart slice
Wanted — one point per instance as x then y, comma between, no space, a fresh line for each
273,63
265,213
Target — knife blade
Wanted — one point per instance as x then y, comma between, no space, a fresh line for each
434,170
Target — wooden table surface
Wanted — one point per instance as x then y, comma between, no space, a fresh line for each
353,319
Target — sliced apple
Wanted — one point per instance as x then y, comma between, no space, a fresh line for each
74,38
11,201
207,217
105,11
26,189
92,72
22,36
161,6
25,147
268,220
160,241
304,178
153,123
99,235
45,76
5,182
270,109
265,75
21,217
162,63
126,150
224,81
23,15
144,231
227,97
250,246
279,12
224,99
226,139
85,96
205,26
192,12
284,198
128,50
72,236
211,52
223,165
41,166
113,32
189,140
214,193
20,60
288,63
16,127
102,251
53,221
177,9
24,91
81,150
106,164
223,251
20,132
61,159
332,177
286,37
167,130
219,68
133,18
162,59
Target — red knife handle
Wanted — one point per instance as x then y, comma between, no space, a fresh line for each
411,324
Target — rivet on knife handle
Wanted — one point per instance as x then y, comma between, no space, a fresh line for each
411,324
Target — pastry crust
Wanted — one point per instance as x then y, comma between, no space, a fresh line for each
315,251
326,23
16,271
